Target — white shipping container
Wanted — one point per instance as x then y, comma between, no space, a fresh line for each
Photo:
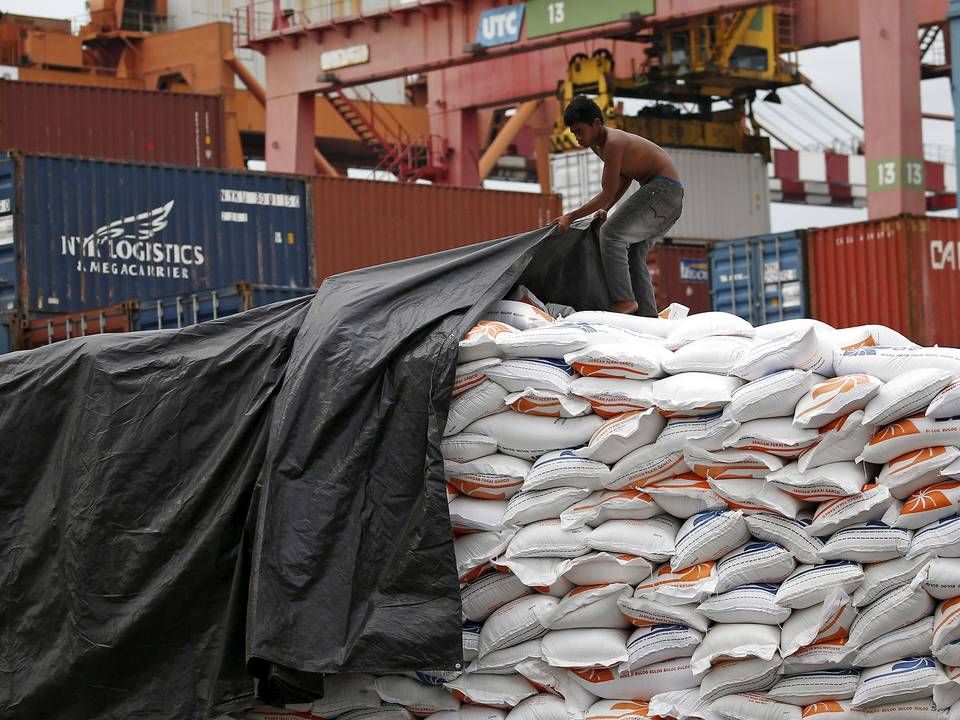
725,194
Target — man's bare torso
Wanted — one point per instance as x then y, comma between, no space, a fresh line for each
641,160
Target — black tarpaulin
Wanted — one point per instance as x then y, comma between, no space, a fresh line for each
130,490
127,476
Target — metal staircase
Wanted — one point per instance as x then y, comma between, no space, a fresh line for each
410,159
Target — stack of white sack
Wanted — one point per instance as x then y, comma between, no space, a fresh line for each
689,517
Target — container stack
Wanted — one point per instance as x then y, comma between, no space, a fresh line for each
689,517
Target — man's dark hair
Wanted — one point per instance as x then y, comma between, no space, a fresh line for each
582,110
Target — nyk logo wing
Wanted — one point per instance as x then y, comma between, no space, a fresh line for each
134,227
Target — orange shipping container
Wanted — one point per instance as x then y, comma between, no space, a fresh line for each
358,223
111,123
903,272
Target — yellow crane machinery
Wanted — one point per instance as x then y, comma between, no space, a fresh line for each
728,56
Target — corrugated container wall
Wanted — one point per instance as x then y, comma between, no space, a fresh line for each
903,273
358,223
680,274
726,195
156,314
88,234
762,279
112,123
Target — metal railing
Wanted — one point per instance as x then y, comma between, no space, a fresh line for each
263,18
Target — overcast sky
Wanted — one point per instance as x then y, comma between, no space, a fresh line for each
834,70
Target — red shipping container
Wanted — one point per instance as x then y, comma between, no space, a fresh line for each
112,123
680,274
902,272
358,223
45,330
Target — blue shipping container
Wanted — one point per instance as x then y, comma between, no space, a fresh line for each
189,309
88,234
762,279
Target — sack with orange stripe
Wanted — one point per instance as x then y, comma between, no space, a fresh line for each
693,394
520,315
682,704
946,624
480,342
592,606
480,401
598,568
870,504
948,693
906,474
612,397
685,495
820,484
555,341
493,477
640,684
644,467
913,433
471,374
545,706
771,396
681,587
525,508
618,710
730,464
925,506
841,440
621,435
609,505
775,436
464,447
835,398
528,436
547,403
559,682
755,495
636,360
906,395
475,551
799,350
827,621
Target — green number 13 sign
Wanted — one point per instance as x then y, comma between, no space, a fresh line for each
548,17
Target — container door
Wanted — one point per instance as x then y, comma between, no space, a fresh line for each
8,250
732,278
8,257
783,295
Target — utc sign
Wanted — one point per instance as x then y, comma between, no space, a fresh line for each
500,26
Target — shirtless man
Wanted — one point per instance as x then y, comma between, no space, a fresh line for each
643,218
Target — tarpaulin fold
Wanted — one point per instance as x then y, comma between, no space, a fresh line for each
137,468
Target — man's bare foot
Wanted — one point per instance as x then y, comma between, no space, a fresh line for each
627,307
